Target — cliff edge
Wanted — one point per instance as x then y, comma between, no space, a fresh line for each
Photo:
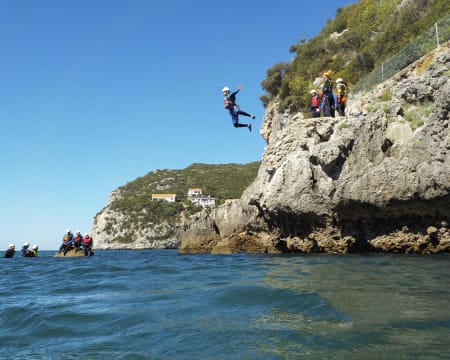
375,180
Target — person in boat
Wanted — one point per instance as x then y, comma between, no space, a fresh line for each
77,241
67,243
33,252
25,249
9,253
88,242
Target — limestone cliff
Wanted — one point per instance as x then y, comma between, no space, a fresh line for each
375,180
109,231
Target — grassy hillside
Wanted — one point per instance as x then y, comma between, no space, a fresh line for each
220,181
356,41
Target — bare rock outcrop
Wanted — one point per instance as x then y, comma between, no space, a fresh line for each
375,180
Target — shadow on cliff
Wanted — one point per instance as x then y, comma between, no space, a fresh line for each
354,226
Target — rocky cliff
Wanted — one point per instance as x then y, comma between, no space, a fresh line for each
109,231
375,180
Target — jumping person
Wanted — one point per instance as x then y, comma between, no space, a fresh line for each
234,109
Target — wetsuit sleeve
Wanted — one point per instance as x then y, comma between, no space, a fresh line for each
235,93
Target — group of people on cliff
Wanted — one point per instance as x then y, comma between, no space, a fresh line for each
327,103
69,242
25,251
77,243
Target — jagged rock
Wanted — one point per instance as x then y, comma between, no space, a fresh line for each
71,253
357,183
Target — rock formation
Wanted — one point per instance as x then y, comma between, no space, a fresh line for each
70,253
137,239
375,180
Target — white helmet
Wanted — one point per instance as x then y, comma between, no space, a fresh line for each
225,88
26,244
86,235
11,246
68,231
312,92
35,247
339,80
78,232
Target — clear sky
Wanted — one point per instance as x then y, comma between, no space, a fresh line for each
95,93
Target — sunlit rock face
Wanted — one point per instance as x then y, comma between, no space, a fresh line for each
375,180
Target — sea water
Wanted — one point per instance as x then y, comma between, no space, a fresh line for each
164,305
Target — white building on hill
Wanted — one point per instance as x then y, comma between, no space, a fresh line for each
196,196
165,197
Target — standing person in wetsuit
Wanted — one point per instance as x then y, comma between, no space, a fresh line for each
9,253
341,96
315,104
234,109
328,107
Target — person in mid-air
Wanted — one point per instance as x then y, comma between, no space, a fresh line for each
9,253
234,109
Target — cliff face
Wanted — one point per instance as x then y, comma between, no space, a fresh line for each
109,226
377,179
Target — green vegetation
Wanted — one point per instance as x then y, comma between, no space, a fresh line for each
360,38
415,114
135,202
386,95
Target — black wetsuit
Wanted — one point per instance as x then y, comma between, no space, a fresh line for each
9,253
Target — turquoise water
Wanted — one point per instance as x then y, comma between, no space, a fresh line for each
163,305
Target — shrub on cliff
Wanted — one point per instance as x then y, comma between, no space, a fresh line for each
357,40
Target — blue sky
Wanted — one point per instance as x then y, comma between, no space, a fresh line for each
95,93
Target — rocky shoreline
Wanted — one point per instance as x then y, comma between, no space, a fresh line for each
375,180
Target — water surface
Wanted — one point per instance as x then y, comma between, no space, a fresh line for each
164,305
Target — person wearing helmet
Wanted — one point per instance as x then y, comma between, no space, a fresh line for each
87,245
25,249
77,241
341,96
33,252
315,104
328,106
234,109
67,243
9,253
